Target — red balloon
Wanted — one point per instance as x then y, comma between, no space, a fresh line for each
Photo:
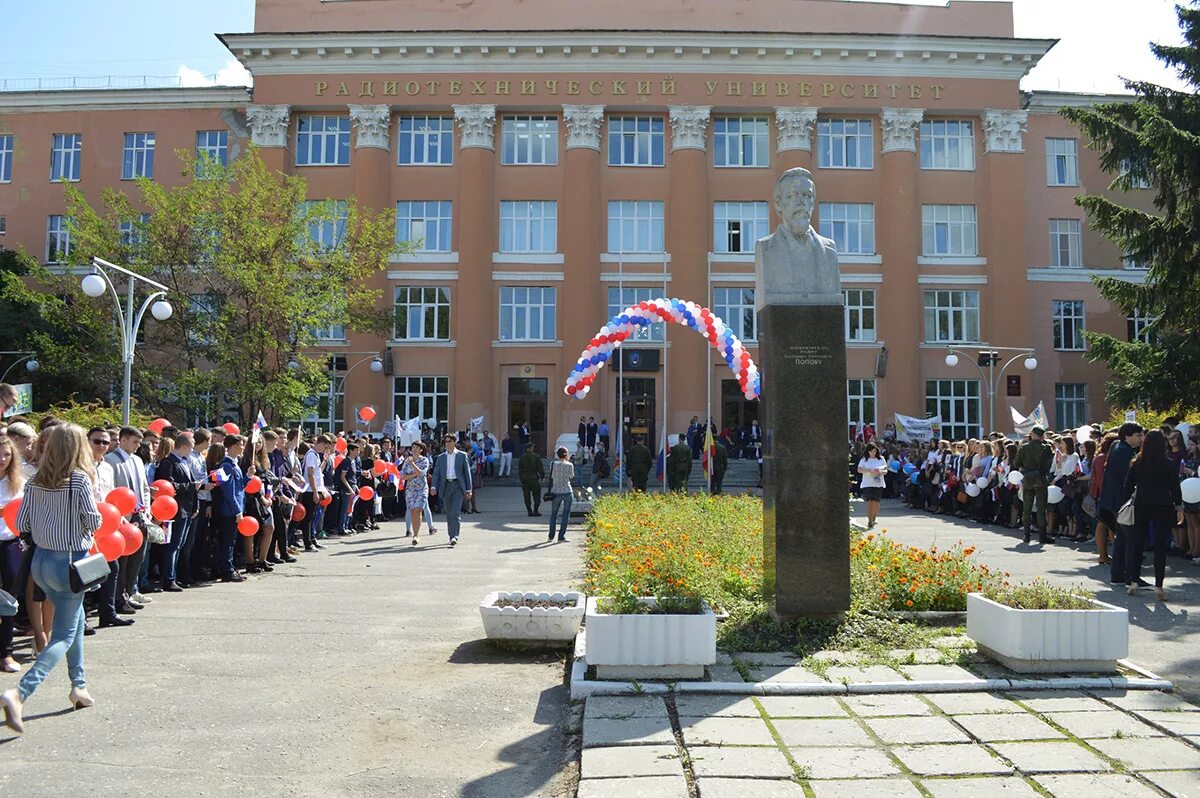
132,537
164,508
10,515
110,518
366,493
253,485
111,545
123,499
298,513
247,527
231,428
340,445
157,426
165,488
337,460
571,390
381,468
326,500
366,413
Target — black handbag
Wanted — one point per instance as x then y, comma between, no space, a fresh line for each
87,574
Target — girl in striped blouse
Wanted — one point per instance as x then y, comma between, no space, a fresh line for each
58,512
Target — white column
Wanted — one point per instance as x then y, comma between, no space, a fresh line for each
689,126
1004,129
900,126
268,124
372,124
793,128
476,126
583,126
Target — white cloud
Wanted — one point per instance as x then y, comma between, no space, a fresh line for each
232,74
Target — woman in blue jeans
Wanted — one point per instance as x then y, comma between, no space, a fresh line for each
562,472
59,514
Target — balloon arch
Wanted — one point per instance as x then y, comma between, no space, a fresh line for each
643,314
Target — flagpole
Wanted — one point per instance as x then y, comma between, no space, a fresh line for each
666,382
620,416
708,386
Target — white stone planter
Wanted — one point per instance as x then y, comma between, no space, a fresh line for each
557,625
650,646
1049,641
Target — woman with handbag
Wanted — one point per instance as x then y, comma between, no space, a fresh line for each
414,468
1062,474
58,512
562,472
1103,534
12,482
1153,485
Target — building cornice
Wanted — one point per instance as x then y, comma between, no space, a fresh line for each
1051,101
669,52
123,99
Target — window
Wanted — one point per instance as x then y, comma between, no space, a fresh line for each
1070,404
947,144
951,316
845,144
529,140
1068,325
66,155
1062,162
527,313
860,402
212,149
1138,327
618,301
957,403
330,333
3,225
201,319
735,306
326,222
58,239
1138,181
635,141
138,158
132,232
426,224
635,226
1134,263
737,225
6,157
740,141
426,141
949,230
850,225
426,398
323,141
860,314
1066,243
528,226
422,313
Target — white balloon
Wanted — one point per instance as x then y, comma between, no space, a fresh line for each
1054,494
1016,478
1184,428
982,482
973,490
1191,490
1083,434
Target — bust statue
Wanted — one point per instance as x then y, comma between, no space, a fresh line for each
794,265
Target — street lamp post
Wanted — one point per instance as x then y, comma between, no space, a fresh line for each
95,284
989,356
31,365
340,382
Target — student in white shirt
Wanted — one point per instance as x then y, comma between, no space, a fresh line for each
873,468
12,483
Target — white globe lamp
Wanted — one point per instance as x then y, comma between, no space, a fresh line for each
1030,363
32,365
376,365
93,285
161,310
951,360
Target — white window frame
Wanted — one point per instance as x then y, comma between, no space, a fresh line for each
6,157
860,315
529,140
433,306
845,143
3,226
129,230
948,144
618,300
954,401
325,135
862,404
137,157
735,307
742,223
851,225
1062,162
422,396
949,231
58,238
1137,327
427,222
1068,318
646,134
426,139
1140,182
1066,239
66,157
528,226
528,313
636,226
951,316
741,142
328,234
212,146
1070,411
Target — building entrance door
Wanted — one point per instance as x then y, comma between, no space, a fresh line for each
736,409
527,405
637,411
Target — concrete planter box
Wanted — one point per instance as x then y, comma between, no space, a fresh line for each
1049,641
557,625
650,646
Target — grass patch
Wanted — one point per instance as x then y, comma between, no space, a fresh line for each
1040,595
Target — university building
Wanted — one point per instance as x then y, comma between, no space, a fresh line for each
558,160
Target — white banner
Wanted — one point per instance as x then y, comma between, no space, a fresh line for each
917,429
476,424
1023,425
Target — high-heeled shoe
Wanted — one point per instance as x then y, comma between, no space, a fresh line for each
80,699
11,701
263,566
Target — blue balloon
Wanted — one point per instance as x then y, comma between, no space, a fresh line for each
910,468
913,478
894,466
603,356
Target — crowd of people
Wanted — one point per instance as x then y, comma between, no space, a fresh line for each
1117,489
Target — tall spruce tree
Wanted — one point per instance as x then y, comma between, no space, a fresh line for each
1153,140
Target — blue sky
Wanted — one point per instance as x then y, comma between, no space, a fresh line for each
1101,39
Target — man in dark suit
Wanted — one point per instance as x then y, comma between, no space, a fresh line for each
452,482
1113,495
176,469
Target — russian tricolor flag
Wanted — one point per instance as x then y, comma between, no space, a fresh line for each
218,477
260,423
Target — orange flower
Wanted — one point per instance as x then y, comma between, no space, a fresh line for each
908,603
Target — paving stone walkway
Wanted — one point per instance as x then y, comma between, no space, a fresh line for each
1067,744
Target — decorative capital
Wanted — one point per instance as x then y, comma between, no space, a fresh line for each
689,126
794,128
268,124
373,125
900,127
1004,129
476,126
583,126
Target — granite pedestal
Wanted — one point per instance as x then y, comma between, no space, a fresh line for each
806,552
